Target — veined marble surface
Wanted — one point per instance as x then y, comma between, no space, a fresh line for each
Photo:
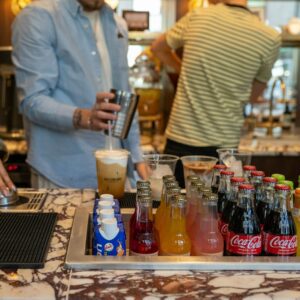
55,282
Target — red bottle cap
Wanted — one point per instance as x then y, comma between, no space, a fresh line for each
248,187
257,173
282,187
270,179
229,173
237,179
220,167
249,168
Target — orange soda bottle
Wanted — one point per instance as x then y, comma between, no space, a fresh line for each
176,241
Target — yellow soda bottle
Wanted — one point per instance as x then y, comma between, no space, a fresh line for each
171,190
167,179
296,216
176,241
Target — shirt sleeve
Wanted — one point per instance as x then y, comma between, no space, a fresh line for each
37,70
265,72
175,35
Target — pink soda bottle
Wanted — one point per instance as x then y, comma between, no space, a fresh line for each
208,241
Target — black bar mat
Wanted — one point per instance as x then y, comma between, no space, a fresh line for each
128,201
24,239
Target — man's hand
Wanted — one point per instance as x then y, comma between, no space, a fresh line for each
97,118
5,182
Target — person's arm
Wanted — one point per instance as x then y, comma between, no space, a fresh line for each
5,182
257,90
164,52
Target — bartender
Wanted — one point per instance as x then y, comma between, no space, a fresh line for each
227,61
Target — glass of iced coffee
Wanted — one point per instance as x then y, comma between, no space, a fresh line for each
199,165
111,171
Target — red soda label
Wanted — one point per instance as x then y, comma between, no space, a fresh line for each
280,244
243,244
223,228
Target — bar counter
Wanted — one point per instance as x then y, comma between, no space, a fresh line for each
56,282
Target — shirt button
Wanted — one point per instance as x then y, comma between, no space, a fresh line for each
93,52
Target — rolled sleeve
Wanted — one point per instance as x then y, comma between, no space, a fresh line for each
37,70
175,36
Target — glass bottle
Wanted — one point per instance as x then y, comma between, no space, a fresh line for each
247,171
224,190
216,177
256,179
209,241
144,241
176,241
244,234
280,229
230,206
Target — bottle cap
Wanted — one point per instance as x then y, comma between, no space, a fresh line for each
270,180
166,178
220,167
282,187
279,177
106,204
227,173
257,174
237,179
171,184
248,187
106,214
106,197
142,183
109,227
287,182
192,177
297,191
249,168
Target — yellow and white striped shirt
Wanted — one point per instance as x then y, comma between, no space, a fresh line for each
225,49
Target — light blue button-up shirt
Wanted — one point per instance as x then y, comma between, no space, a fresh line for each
58,69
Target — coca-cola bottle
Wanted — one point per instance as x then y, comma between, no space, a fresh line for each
216,177
256,179
279,230
265,205
247,171
230,206
244,235
224,189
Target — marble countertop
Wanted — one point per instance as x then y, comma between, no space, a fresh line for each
56,282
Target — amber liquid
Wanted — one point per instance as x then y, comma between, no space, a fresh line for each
111,179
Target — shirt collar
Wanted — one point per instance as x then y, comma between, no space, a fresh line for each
75,7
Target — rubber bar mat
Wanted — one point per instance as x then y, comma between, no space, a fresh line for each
24,239
128,201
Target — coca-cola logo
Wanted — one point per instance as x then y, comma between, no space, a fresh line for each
246,243
277,242
109,247
224,229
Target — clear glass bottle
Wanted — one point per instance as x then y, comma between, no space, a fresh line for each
176,241
144,241
209,241
256,179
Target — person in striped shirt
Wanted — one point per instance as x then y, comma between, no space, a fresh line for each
228,54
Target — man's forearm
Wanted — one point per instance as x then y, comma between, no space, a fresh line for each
166,55
257,90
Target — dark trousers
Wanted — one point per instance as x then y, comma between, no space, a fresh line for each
178,149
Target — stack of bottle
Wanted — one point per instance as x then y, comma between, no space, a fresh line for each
109,237
255,214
